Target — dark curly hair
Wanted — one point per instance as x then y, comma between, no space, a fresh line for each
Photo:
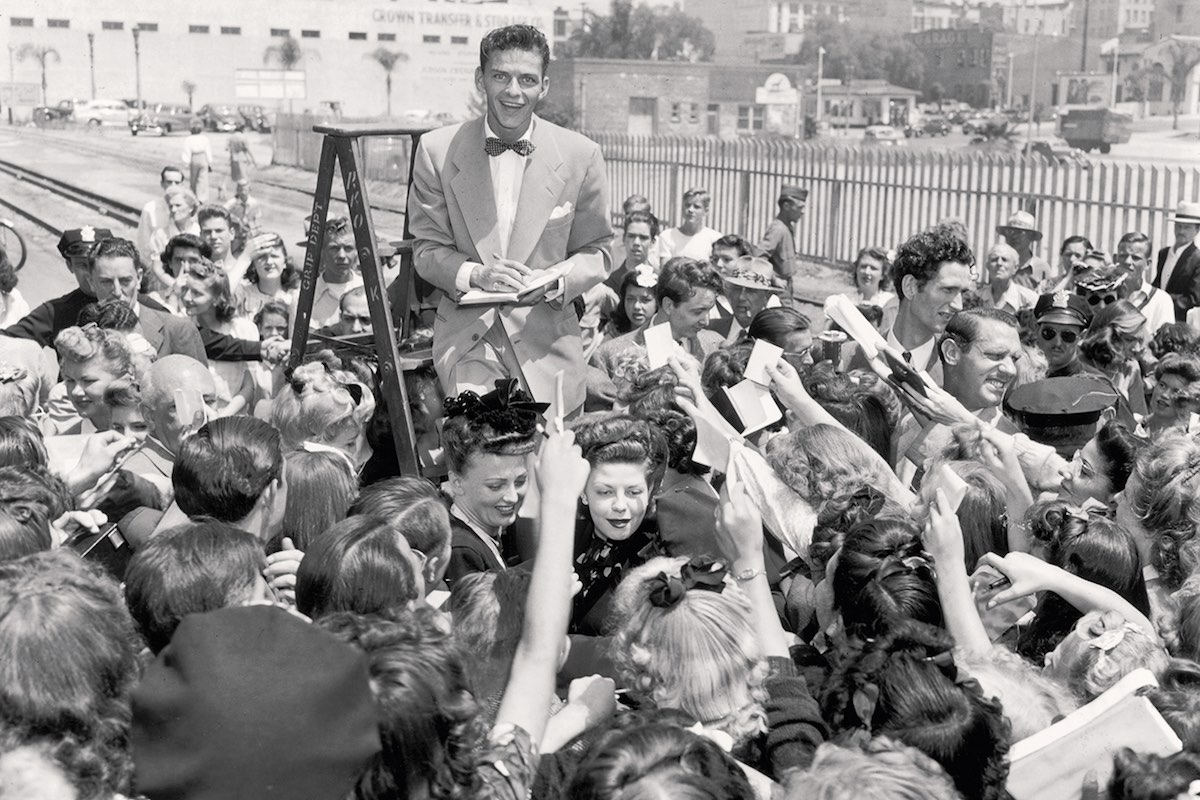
1104,343
22,443
514,37
1177,698
922,257
1168,504
1096,549
34,487
289,278
188,241
839,514
904,684
1120,447
70,664
113,314
1175,337
679,432
858,400
884,578
429,725
649,390
1146,776
614,438
657,759
680,277
471,428
8,273
217,283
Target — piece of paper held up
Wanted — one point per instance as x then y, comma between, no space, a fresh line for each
1051,764
949,482
755,406
763,355
539,280
841,310
660,345
713,435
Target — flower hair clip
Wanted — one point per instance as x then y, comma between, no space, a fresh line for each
667,590
645,276
1106,641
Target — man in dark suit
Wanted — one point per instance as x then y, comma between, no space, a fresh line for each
43,323
116,273
1179,265
494,203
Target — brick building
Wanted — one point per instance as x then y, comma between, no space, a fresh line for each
668,97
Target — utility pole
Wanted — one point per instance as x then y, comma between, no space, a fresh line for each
1008,85
92,61
1087,14
11,79
1037,38
1116,57
137,64
820,78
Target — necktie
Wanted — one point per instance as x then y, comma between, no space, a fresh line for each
907,357
495,146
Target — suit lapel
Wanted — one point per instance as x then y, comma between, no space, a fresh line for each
151,322
540,189
472,187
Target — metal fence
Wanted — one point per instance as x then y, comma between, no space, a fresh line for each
880,196
858,197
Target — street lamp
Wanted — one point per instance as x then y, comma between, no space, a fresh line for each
92,61
137,63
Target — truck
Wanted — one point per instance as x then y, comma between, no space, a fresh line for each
1094,128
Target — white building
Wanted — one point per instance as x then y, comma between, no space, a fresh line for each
206,42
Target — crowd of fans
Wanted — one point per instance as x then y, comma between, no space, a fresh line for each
214,583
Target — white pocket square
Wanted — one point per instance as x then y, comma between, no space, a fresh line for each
561,211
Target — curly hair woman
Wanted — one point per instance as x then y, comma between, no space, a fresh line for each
92,359
325,406
1163,495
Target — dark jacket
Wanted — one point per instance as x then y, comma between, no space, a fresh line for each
1184,286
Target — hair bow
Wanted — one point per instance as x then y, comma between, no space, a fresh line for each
667,590
508,399
1090,507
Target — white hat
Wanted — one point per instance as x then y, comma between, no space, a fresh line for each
1188,213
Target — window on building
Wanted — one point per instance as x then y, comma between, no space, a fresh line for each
794,9
431,39
282,33
794,25
358,36
386,37
24,22
106,26
676,108
712,115
560,28
310,34
231,30
971,57
58,23
750,118
150,27
197,29
694,114
962,58
458,40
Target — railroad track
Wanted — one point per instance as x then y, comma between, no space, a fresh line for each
106,206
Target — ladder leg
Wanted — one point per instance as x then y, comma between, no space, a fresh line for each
395,393
312,253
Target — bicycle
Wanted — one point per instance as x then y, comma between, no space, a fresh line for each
12,243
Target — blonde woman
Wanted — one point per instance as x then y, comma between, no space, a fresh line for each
325,406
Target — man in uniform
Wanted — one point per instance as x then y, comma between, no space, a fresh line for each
779,242
45,322
497,201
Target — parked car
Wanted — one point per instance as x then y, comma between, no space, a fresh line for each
975,122
1058,151
101,112
221,117
161,118
255,118
882,135
935,125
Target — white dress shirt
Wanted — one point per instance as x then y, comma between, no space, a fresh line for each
1159,309
508,173
327,300
920,354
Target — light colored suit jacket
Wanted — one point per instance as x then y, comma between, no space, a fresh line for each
452,217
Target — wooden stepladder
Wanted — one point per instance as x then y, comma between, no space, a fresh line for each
344,146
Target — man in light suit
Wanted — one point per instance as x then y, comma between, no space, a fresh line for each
116,272
1179,265
494,202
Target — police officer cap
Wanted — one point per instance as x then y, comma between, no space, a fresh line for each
790,192
1051,402
1064,308
79,241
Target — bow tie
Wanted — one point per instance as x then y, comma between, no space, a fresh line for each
495,146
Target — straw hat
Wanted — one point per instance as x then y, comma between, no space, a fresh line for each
1187,213
751,272
1020,221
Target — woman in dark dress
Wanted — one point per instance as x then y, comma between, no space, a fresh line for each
487,440
613,532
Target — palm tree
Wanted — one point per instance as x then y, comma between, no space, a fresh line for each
42,53
388,59
288,54
189,89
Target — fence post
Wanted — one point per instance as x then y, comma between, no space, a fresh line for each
744,204
835,218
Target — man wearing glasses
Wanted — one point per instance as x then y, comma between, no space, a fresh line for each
155,213
1061,319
